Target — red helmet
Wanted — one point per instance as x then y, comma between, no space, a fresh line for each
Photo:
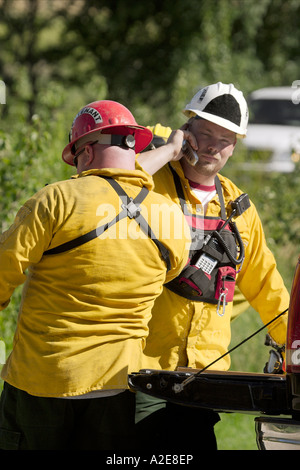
106,117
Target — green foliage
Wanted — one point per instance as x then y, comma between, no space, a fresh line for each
151,55
276,197
236,432
28,161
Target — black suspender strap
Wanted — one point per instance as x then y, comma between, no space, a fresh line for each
221,198
130,208
86,237
128,204
147,229
179,189
133,211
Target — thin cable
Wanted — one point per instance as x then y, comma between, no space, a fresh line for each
179,387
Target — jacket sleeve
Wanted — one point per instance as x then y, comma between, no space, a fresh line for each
260,281
23,244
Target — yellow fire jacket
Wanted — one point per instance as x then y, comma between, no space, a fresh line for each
83,319
188,333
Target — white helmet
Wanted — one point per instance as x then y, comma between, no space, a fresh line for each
222,104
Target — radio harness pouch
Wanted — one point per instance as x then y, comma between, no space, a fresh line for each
212,274
195,277
216,252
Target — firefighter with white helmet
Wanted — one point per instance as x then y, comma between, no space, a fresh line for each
222,104
84,313
190,325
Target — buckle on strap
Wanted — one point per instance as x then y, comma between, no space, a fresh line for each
133,210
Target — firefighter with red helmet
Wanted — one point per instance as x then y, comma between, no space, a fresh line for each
95,262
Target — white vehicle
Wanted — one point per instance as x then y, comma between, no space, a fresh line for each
273,136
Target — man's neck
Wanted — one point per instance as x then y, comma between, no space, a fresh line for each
192,174
118,160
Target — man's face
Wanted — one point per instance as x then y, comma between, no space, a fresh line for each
215,146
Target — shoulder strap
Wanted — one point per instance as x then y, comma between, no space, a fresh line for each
86,237
132,206
147,229
179,189
131,209
221,198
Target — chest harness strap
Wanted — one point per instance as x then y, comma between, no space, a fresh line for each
130,208
216,250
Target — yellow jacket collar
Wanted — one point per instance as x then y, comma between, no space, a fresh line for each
225,182
138,177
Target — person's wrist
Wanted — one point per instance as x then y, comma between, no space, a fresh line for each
173,152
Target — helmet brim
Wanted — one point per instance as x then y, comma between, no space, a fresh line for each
216,120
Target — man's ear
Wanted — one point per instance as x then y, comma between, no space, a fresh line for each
234,144
90,155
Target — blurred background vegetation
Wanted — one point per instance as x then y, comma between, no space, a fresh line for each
58,55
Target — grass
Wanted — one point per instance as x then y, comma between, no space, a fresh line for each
236,431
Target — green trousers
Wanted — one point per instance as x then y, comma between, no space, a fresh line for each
33,423
170,427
